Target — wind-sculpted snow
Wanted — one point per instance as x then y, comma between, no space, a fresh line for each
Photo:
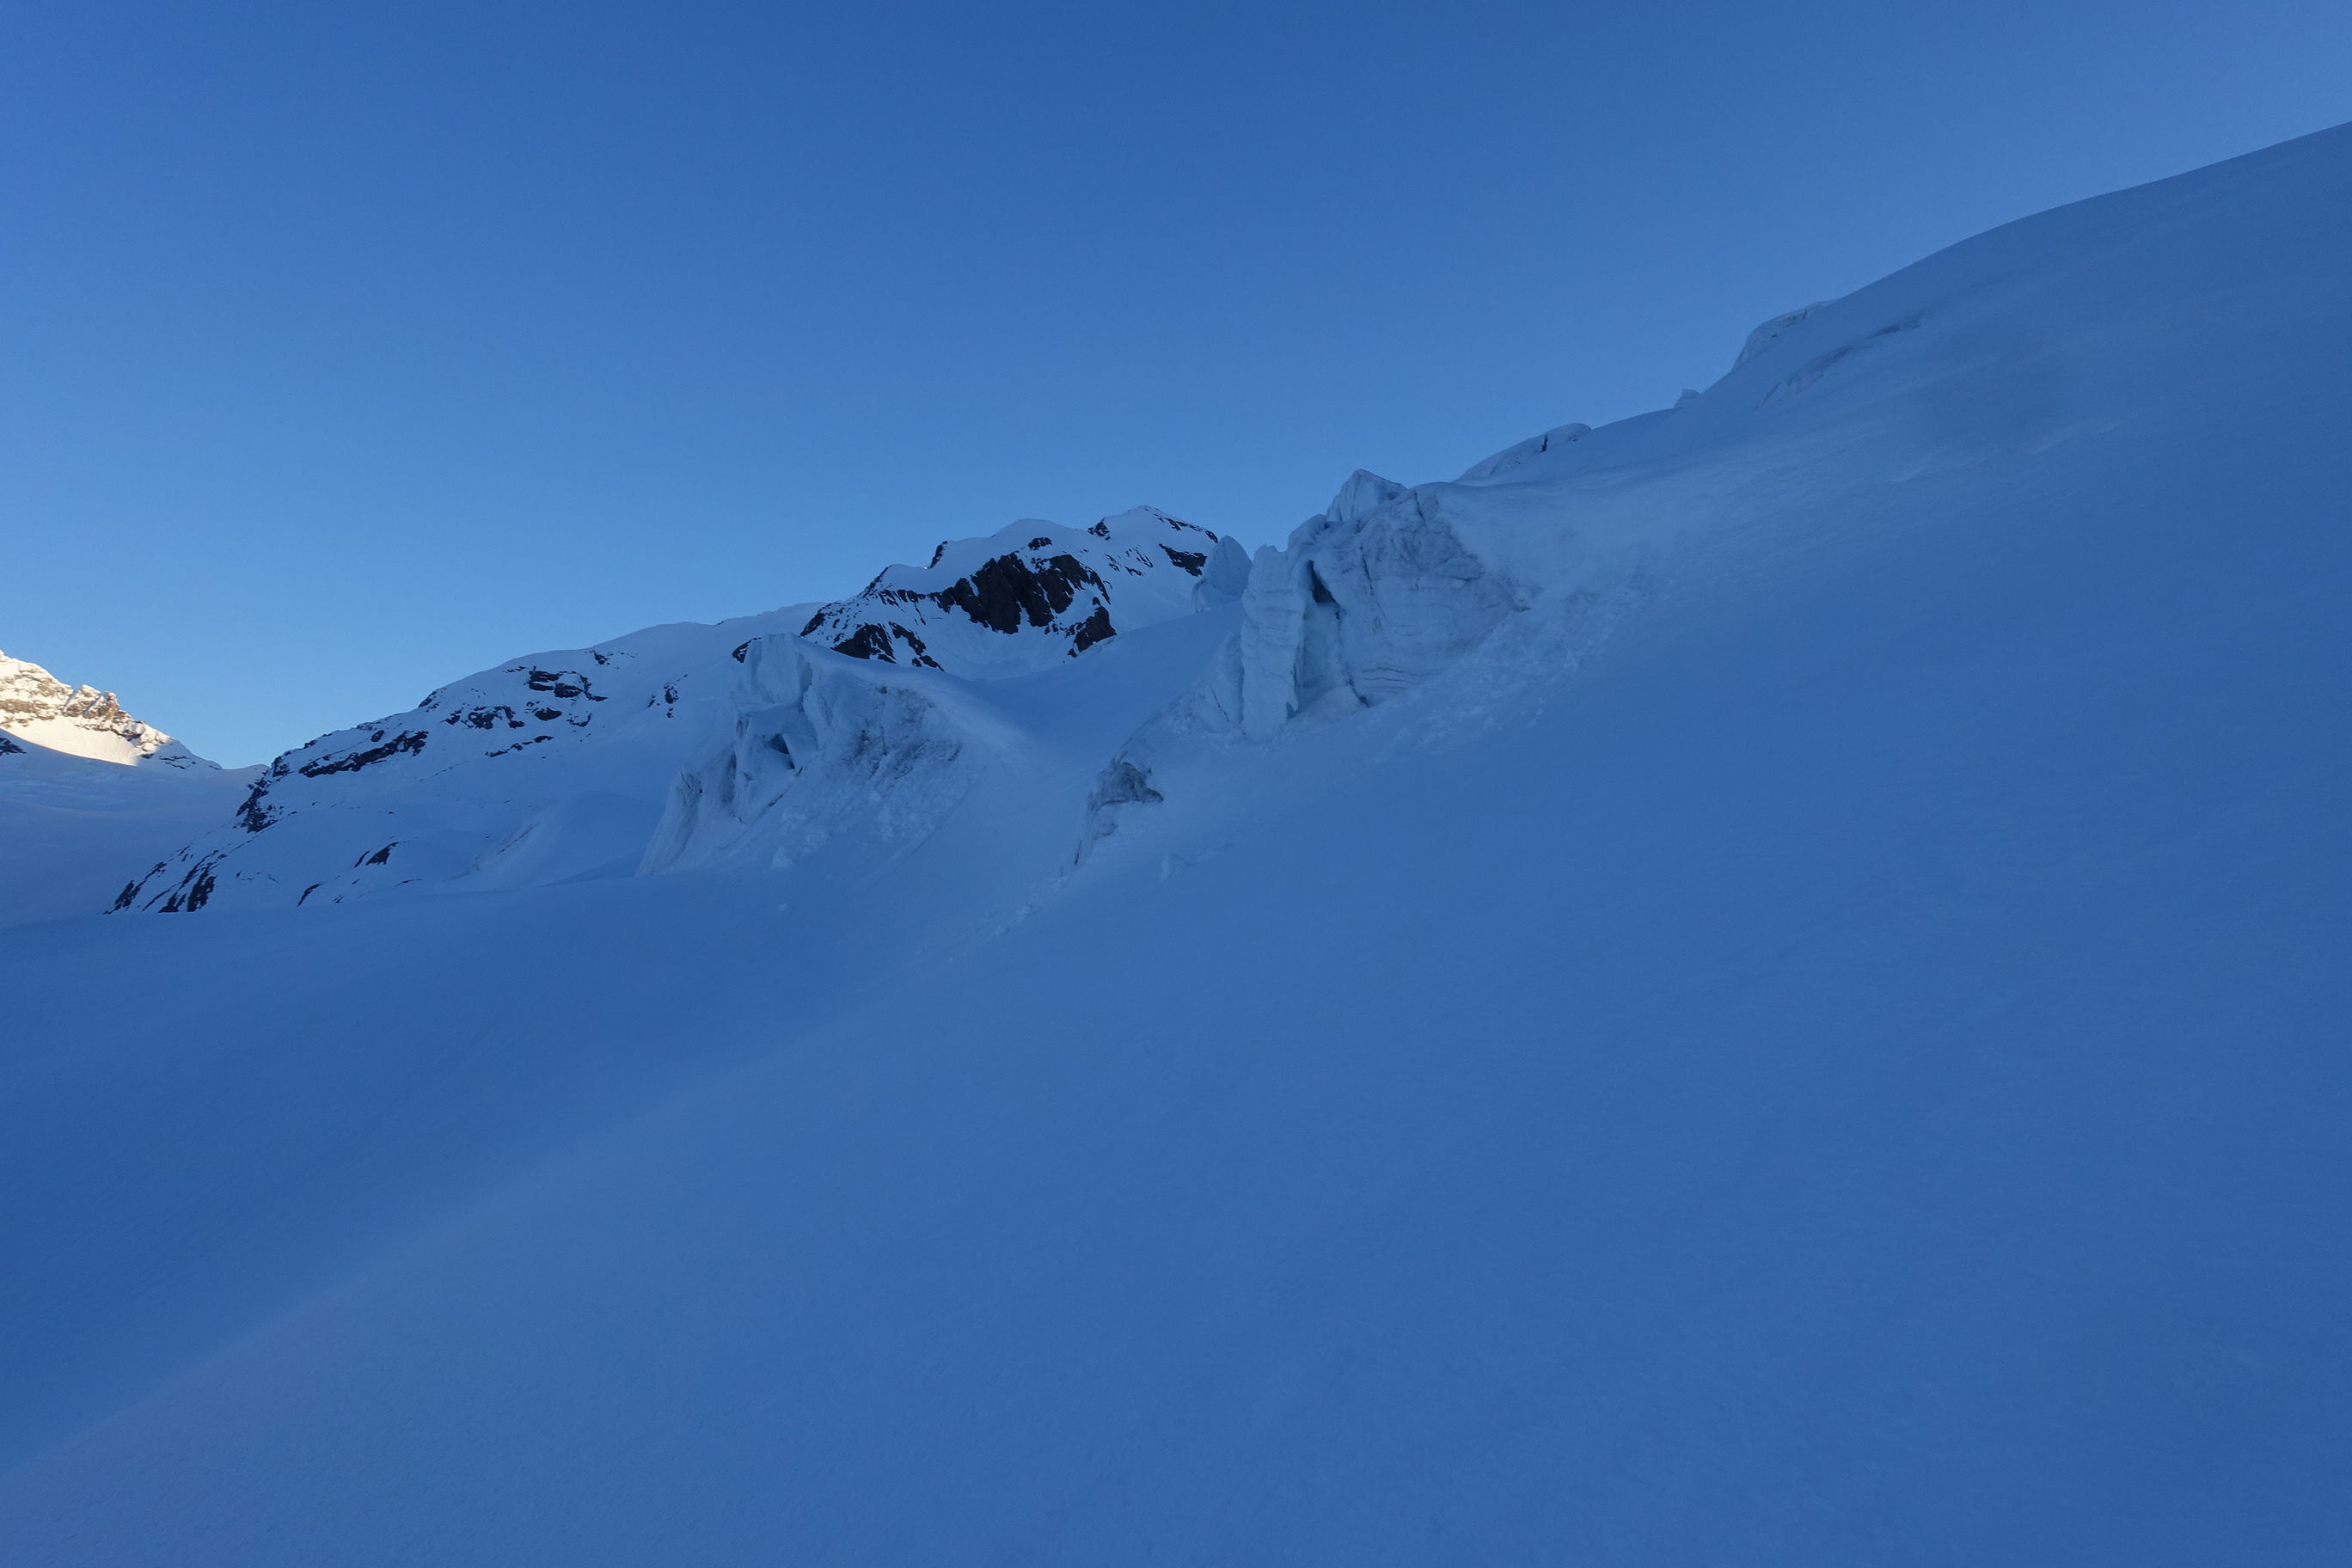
1510,457
1768,333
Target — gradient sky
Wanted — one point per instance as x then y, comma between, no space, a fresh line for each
345,350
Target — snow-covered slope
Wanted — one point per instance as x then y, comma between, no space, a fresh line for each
550,767
1760,984
559,765
72,830
91,796
80,721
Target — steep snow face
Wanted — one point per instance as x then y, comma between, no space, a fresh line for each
1031,593
819,744
81,722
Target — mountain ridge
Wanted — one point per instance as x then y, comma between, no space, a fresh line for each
562,764
38,709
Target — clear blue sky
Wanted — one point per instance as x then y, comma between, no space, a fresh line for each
349,349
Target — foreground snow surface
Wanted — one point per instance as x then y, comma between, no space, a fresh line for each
1823,1045
74,831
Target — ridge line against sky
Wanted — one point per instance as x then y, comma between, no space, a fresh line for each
350,353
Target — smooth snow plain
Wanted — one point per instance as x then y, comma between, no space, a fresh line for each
1761,986
72,827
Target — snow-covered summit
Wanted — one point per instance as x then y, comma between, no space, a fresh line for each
1031,593
35,707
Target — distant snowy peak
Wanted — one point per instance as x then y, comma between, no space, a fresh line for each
1031,594
81,722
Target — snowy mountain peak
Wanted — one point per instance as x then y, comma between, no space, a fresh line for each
1024,597
564,765
81,720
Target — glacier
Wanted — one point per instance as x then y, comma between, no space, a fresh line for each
578,763
1761,984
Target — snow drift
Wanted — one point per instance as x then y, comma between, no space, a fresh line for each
91,794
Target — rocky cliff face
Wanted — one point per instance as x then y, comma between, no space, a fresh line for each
81,720
1031,594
